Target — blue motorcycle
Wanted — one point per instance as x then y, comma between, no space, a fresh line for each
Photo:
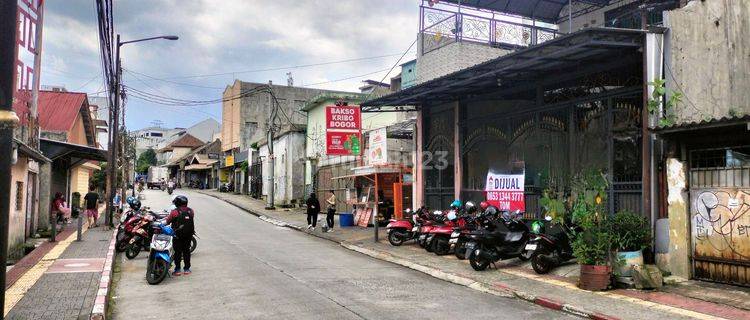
160,255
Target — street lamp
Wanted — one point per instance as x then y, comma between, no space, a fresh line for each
114,133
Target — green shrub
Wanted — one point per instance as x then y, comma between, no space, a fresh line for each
630,231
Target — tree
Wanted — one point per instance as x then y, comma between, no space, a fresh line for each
145,160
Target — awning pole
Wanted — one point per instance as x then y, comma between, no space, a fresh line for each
375,210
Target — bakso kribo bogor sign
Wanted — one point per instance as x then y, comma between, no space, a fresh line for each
505,191
343,130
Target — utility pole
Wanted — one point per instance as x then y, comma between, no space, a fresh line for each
125,160
114,139
269,143
8,121
34,129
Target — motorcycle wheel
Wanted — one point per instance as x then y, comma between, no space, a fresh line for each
132,251
540,265
121,246
157,271
395,238
477,263
428,245
441,246
193,244
460,250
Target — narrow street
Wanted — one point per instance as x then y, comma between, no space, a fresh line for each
245,268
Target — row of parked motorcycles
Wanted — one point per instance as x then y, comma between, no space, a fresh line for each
484,235
142,229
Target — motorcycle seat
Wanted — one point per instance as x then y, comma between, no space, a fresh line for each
513,236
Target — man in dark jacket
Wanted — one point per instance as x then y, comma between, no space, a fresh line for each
313,208
182,220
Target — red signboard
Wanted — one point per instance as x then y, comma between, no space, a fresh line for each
343,117
505,191
343,130
343,143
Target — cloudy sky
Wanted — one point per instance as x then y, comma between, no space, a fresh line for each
234,38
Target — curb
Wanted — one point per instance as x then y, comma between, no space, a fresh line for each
99,311
497,289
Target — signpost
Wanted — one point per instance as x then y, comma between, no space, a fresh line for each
343,130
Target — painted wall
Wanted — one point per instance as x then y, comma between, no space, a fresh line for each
230,118
709,58
453,57
588,20
77,133
409,74
17,221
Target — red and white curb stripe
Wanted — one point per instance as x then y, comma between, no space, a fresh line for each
99,311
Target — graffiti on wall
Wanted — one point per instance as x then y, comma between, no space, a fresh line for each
721,223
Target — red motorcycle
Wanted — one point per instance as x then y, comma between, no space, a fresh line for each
400,231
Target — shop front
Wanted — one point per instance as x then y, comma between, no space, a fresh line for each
549,111
379,189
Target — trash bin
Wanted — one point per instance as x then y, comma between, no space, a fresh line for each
346,219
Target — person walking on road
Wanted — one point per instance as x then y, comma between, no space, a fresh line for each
92,207
182,221
331,201
313,208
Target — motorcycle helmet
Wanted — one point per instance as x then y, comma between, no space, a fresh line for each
180,201
135,204
456,204
491,211
451,215
484,205
470,207
130,200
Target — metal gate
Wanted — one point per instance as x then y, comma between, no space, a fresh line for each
720,214
256,179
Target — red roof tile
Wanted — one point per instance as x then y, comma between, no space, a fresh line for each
186,141
59,110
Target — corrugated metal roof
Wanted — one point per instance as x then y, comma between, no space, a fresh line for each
704,124
543,10
59,110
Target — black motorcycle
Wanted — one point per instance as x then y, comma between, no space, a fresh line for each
551,246
502,239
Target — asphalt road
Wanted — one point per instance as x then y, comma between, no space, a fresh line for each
245,268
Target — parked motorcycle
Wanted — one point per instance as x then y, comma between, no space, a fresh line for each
550,246
504,238
169,190
400,231
160,255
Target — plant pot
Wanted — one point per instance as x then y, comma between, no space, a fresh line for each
594,278
626,260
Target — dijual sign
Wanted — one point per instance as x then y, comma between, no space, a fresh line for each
505,191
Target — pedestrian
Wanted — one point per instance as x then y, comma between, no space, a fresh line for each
331,201
92,207
58,205
182,221
313,208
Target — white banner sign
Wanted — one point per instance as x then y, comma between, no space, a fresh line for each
505,191
378,145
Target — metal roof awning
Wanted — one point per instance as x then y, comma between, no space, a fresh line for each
55,149
542,10
716,123
30,152
567,54
197,167
371,170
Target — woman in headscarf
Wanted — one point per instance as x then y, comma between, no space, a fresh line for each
57,207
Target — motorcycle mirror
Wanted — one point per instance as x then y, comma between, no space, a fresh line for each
548,218
408,210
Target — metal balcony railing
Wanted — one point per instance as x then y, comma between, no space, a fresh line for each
440,27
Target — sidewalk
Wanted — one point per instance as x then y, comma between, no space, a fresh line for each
66,282
690,300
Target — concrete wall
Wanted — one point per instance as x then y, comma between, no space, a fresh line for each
709,58
230,118
453,57
677,210
289,178
77,134
588,20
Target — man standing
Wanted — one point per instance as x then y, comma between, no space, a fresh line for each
92,207
182,221
313,208
331,201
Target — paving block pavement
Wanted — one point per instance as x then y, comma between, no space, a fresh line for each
509,278
65,283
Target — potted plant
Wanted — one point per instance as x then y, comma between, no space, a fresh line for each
592,244
630,235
